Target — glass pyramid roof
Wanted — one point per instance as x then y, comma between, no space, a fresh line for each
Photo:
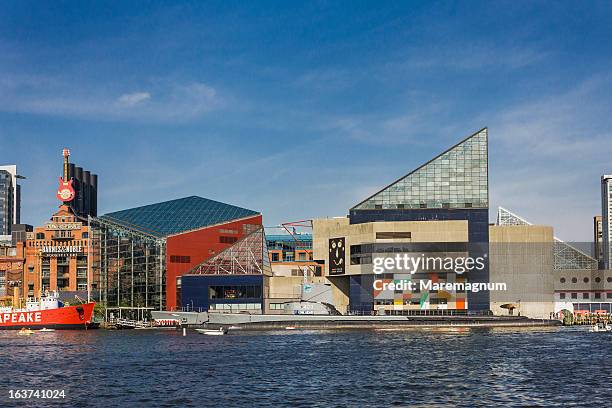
457,178
565,256
248,256
175,216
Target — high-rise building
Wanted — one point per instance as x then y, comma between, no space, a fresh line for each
10,198
606,219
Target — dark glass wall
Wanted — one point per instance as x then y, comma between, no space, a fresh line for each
200,291
360,293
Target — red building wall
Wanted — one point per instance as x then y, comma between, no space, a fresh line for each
198,246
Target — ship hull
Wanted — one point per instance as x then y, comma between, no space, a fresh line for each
63,318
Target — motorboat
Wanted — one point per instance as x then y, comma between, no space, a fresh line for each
213,332
600,327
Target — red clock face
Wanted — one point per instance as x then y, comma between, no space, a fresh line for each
65,192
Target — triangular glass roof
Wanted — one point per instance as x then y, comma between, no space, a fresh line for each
248,256
176,216
565,256
457,178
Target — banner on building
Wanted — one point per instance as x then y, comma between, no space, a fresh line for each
337,252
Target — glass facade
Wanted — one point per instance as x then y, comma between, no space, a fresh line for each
222,292
129,265
248,256
457,178
6,202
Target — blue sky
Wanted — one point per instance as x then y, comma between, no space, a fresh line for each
302,110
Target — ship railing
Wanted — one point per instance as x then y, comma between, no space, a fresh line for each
434,312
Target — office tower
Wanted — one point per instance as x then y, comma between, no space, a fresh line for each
606,221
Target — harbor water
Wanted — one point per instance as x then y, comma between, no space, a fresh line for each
396,367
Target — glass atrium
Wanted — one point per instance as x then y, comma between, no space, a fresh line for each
457,178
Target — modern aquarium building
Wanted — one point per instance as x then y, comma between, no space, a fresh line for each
438,211
143,253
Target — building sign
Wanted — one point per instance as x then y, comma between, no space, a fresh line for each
337,253
53,226
62,250
65,191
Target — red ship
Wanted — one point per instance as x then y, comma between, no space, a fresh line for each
49,313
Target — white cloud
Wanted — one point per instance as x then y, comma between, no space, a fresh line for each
547,154
174,101
133,99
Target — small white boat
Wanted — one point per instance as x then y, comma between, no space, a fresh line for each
600,327
25,332
212,332
45,330
290,328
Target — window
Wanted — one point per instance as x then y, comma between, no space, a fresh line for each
597,279
609,279
597,295
574,296
609,295
85,235
180,259
227,240
234,292
585,295
392,235
562,280
586,280
574,280
40,235
561,295
274,256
